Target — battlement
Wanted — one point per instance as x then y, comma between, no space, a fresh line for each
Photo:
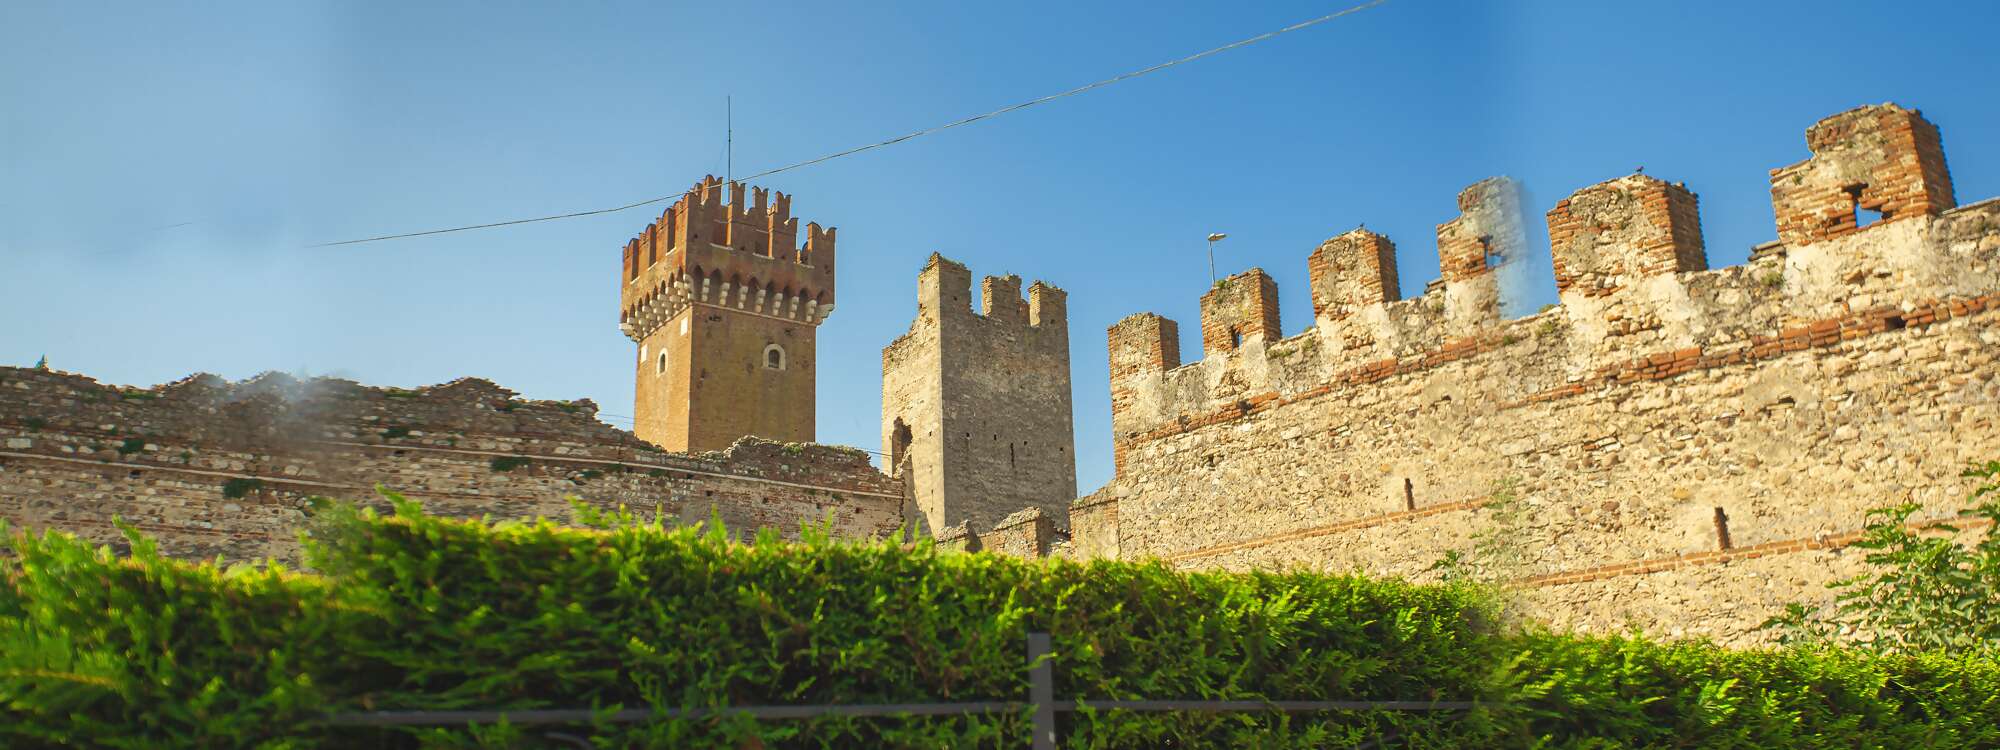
1614,233
1672,446
1631,272
944,288
1243,306
1880,158
734,254
1350,272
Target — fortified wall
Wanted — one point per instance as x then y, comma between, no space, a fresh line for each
1672,446
976,416
212,469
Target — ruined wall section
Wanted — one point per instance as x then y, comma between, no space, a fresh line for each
212,468
1882,159
984,397
1667,433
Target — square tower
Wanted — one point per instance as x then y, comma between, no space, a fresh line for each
723,303
976,406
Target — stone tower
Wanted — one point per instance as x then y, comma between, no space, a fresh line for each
723,302
976,406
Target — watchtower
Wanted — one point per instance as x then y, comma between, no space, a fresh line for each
724,303
976,406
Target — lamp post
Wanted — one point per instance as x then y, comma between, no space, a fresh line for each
1213,238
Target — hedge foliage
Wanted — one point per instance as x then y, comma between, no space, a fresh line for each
415,612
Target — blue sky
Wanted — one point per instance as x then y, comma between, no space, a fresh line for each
163,166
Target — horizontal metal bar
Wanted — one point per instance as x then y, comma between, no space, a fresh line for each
631,715
1286,706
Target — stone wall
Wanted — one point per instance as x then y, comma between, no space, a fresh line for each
976,406
1673,447
1028,533
212,468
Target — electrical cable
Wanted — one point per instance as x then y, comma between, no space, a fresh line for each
898,139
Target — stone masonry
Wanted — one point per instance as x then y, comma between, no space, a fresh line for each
724,305
976,415
213,469
1673,446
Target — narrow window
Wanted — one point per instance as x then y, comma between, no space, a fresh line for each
1722,529
663,362
774,357
1235,339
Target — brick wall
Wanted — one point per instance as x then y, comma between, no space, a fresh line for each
1882,158
1608,234
1237,308
1351,272
212,468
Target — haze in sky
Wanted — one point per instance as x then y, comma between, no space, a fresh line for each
166,165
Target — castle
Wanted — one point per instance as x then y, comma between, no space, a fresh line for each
1673,446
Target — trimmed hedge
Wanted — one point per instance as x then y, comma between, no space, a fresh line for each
415,612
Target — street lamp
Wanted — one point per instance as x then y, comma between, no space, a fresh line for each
1213,238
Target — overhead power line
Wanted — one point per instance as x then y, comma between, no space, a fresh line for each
898,139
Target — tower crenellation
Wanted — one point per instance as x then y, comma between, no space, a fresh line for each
1000,299
1612,234
1048,307
976,414
727,254
1882,158
723,299
1240,308
1352,271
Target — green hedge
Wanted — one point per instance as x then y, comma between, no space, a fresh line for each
415,612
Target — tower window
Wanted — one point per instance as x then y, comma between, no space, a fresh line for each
663,362
774,357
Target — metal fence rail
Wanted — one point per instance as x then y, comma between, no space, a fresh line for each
1041,697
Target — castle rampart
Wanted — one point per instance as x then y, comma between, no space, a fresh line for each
976,415
217,469
1705,437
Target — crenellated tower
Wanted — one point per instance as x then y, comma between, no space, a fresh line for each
724,302
976,405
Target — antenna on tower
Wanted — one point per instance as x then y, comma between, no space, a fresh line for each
729,139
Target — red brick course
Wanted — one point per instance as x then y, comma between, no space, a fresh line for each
1658,366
